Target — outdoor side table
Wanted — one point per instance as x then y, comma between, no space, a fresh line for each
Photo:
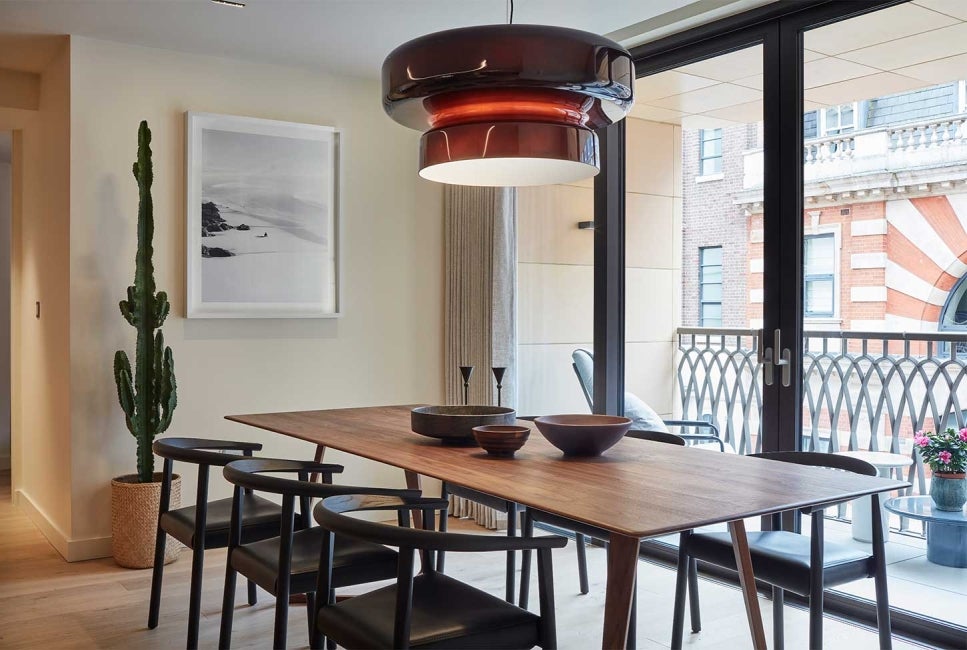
884,463
946,531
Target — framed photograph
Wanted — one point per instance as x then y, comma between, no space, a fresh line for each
262,218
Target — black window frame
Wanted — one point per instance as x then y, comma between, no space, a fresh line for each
818,277
702,301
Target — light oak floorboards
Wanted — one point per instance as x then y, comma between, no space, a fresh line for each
48,603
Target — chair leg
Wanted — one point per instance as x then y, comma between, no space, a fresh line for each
582,562
311,613
228,607
440,558
816,614
511,591
681,578
281,616
778,601
157,574
194,599
253,598
695,610
330,644
525,562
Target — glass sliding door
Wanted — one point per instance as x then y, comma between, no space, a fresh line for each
693,250
884,222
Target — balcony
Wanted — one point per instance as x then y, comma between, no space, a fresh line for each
874,164
861,391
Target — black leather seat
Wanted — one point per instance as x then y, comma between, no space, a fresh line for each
431,610
791,561
782,559
447,614
354,562
261,520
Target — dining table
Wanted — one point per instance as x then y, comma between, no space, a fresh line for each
635,490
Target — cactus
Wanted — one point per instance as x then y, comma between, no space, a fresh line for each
148,396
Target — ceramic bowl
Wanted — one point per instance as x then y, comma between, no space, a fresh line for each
454,424
583,435
501,439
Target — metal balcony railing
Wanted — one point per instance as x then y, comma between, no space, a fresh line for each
861,390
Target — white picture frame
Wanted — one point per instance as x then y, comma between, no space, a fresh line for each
270,221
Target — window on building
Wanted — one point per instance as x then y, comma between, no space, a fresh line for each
819,282
710,286
836,120
710,151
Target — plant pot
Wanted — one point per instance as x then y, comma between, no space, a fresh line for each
948,490
134,520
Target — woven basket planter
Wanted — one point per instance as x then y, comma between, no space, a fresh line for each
134,520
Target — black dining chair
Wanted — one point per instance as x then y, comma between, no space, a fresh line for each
583,531
206,524
288,562
789,561
429,610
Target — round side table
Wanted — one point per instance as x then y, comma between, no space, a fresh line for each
884,463
946,531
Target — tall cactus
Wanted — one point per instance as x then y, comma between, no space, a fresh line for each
148,396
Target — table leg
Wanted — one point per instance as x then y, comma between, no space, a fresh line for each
622,570
743,562
320,454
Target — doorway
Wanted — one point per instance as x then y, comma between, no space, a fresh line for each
6,214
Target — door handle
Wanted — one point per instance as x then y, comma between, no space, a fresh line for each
773,357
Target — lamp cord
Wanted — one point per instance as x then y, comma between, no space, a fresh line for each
510,12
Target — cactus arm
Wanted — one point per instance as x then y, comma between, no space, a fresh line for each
122,377
162,307
169,390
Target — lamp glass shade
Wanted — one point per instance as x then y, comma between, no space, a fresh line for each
509,172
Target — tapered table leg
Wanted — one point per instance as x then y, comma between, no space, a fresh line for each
743,562
320,454
622,570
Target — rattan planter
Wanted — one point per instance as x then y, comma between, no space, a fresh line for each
134,520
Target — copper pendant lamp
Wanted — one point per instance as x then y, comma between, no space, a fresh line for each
508,105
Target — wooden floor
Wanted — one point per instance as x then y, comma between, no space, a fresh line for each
48,603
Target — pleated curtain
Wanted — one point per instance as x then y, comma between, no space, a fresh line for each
480,305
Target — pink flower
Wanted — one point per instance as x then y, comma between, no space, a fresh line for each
944,457
921,441
918,434
963,434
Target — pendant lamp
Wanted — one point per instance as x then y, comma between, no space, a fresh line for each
508,105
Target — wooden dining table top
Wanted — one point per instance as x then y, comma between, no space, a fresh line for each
637,488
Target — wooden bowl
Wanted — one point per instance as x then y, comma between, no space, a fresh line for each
501,439
454,424
583,435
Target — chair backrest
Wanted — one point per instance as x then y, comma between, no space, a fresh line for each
820,459
657,436
260,474
583,364
201,451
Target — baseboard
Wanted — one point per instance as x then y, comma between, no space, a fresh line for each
72,550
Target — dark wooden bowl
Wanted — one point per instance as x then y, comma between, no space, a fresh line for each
501,439
583,435
454,424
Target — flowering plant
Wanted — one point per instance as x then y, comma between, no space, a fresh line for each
944,452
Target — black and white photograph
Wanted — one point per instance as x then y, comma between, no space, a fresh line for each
261,218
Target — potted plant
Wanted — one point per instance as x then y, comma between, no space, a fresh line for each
148,395
946,453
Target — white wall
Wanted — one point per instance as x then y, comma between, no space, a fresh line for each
556,277
386,349
6,206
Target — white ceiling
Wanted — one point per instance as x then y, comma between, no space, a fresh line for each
350,37
913,45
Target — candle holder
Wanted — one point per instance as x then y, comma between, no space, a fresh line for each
466,371
499,376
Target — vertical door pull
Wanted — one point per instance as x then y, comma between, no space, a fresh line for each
775,356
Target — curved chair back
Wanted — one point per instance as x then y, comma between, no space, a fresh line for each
583,363
260,474
657,436
820,459
200,451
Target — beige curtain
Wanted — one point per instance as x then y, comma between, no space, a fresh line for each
481,304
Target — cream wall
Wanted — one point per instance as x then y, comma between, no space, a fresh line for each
40,252
387,348
556,277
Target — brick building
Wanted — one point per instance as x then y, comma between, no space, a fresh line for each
885,219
